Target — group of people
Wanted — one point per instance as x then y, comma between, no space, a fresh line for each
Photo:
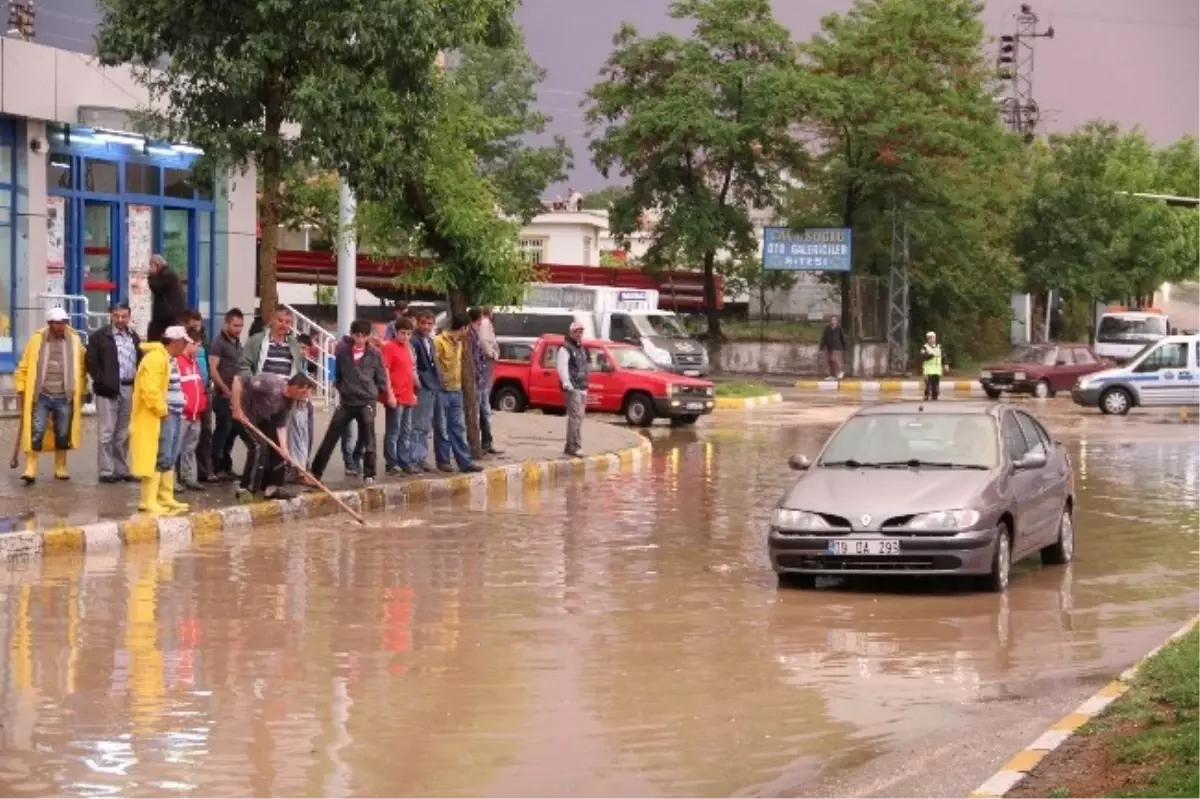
170,409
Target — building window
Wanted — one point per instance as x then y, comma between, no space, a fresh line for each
533,251
178,183
142,179
587,251
58,172
100,176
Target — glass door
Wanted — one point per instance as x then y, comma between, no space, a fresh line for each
177,239
100,273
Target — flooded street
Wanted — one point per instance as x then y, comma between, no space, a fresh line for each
616,635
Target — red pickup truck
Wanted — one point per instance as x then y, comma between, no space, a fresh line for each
622,379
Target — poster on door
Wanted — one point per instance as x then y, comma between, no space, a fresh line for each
139,230
56,230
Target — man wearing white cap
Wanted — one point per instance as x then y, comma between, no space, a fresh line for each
572,363
933,365
50,381
155,424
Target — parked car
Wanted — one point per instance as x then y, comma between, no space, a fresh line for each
622,380
965,489
1165,373
1041,370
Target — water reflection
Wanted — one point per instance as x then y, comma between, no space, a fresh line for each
617,637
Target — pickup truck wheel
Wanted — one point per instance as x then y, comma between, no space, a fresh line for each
684,421
509,399
993,393
639,410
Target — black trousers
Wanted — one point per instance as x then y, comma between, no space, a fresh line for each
364,417
933,384
264,468
225,432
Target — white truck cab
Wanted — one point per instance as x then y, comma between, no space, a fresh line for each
1164,373
1121,334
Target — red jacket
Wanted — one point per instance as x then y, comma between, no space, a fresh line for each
402,371
195,398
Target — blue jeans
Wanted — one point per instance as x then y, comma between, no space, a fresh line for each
451,441
397,436
484,399
170,431
44,407
422,423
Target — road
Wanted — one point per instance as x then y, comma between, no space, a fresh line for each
612,637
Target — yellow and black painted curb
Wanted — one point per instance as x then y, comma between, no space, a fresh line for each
207,525
969,387
1027,759
742,403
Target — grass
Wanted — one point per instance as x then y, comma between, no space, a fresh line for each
743,388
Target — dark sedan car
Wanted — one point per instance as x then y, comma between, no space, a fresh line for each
1041,370
963,489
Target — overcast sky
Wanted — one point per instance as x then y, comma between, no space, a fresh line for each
1135,62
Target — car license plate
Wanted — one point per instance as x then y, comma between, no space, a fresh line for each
879,546
691,373
695,406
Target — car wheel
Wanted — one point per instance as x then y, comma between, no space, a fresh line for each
639,410
1042,390
509,399
1116,401
997,581
1061,551
684,421
993,393
793,580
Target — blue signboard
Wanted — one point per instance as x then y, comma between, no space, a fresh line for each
814,249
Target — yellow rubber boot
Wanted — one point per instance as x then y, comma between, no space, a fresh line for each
166,494
149,497
60,465
30,475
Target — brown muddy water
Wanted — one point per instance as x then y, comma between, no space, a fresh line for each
622,635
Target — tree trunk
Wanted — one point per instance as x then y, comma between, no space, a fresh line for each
710,301
272,177
458,300
844,282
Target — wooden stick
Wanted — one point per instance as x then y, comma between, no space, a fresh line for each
15,460
303,472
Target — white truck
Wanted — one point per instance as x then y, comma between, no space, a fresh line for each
1122,334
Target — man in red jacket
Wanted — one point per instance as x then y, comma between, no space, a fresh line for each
402,374
195,406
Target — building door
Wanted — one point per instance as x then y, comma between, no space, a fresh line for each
178,247
98,277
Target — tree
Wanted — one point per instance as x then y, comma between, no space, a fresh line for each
230,76
603,199
747,276
702,128
905,123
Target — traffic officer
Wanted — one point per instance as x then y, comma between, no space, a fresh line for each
934,365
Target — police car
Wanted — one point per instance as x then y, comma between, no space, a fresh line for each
1164,373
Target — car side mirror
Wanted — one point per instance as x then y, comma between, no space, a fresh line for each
1030,460
799,463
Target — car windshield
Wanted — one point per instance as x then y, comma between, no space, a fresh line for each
914,439
633,359
1132,329
1043,356
657,324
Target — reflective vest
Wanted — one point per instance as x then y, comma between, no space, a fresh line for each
932,366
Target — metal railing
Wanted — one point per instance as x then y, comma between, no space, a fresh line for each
321,365
83,319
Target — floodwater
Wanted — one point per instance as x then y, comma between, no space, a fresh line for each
622,635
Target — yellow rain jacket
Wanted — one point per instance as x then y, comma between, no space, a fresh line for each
28,383
149,408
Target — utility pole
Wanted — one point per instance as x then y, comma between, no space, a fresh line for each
898,307
347,261
1015,65
21,15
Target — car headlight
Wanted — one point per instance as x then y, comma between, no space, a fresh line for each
986,375
1082,383
660,357
944,520
788,519
1019,376
671,389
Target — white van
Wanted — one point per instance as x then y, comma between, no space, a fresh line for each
1164,373
1120,335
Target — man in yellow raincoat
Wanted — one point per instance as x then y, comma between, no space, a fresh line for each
50,381
155,422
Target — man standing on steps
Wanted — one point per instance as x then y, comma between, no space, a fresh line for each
112,359
572,366
167,299
450,444
429,389
484,350
933,365
833,344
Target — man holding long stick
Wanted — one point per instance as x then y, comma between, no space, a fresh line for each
266,401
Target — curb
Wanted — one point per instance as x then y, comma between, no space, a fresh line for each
1027,759
208,525
741,403
971,387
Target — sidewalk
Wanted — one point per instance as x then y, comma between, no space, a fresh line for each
82,500
890,386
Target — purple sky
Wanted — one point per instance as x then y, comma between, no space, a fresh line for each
1132,62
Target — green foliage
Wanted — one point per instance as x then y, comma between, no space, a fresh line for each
231,74
747,276
906,116
1079,233
603,199
702,128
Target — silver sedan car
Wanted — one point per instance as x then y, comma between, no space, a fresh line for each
927,489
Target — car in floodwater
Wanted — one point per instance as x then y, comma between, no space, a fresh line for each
1040,369
927,489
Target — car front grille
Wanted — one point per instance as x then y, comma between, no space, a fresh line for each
1002,377
689,360
905,562
691,391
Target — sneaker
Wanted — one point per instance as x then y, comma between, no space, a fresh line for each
494,451
194,487
109,479
426,468
394,470
281,494
445,467
352,471
470,468
573,453
244,496
413,470
128,478
368,481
